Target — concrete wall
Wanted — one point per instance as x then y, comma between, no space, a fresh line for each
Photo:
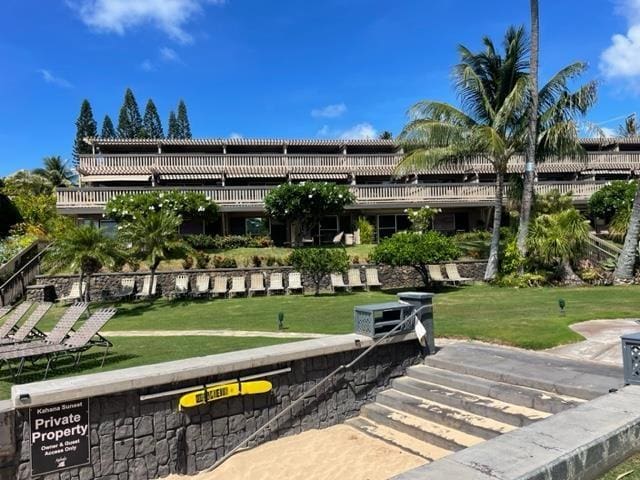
390,277
133,439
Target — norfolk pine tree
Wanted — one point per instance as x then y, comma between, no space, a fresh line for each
108,130
173,126
129,119
151,121
86,127
184,129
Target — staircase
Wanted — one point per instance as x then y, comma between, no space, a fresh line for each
440,407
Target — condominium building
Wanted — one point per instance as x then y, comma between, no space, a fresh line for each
238,173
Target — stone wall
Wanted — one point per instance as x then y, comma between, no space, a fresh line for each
390,277
132,439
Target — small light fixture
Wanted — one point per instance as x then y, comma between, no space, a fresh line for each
280,320
562,304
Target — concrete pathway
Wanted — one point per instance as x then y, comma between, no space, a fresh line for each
602,342
211,333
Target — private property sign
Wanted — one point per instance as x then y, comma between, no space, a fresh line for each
59,436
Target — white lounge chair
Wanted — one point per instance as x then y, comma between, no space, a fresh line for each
182,286
256,284
337,240
435,274
275,283
203,281
295,283
354,279
337,282
238,286
372,278
74,293
454,274
220,286
148,290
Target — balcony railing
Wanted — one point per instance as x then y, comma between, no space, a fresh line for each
440,194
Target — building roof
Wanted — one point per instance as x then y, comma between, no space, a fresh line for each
238,141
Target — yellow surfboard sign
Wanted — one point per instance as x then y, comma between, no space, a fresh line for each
218,392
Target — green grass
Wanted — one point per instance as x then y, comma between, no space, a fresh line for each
628,470
134,351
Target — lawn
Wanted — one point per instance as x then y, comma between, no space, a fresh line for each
628,470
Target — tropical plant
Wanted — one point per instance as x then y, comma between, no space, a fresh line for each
317,263
57,171
422,219
417,250
553,202
627,258
629,128
305,204
615,196
85,249
385,135
24,182
186,204
366,230
154,237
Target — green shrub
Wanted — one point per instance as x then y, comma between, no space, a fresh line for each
611,198
522,280
422,218
512,260
317,263
187,263
224,262
202,260
474,244
185,204
366,230
227,242
256,261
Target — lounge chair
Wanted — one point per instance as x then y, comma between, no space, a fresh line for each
295,283
220,286
256,284
372,278
182,286
86,337
337,282
58,334
238,286
147,289
353,276
275,284
203,281
126,289
11,323
454,274
4,310
74,293
435,274
337,240
28,327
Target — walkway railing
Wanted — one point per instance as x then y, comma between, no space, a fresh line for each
16,286
600,249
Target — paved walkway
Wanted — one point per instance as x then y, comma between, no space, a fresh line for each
211,333
602,342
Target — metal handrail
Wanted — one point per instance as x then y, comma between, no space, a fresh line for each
309,391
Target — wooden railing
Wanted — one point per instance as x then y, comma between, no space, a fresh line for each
436,193
15,287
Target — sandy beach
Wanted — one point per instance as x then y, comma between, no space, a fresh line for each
336,452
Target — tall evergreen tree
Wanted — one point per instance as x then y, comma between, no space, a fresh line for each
129,120
108,130
173,126
184,129
86,127
151,122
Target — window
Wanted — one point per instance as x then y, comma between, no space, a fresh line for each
256,226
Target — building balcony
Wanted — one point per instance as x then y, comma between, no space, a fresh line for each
387,196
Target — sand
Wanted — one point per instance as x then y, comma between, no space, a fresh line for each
333,453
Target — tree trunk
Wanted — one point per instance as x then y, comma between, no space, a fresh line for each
82,292
530,164
568,275
422,270
152,276
492,263
627,258
88,289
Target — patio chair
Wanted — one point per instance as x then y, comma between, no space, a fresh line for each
4,310
28,327
181,287
220,286
74,293
58,334
372,278
295,283
337,282
147,289
353,276
126,289
86,337
275,283
454,274
11,323
256,284
203,281
337,240
238,286
435,274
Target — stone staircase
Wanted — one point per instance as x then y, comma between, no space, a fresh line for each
470,393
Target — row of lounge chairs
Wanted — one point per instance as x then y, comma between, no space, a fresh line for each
355,280
27,343
453,275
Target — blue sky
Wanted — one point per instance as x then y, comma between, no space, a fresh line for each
289,68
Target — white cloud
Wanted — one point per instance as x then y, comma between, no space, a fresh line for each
49,77
169,54
324,131
361,131
235,135
608,132
147,65
330,111
119,16
622,58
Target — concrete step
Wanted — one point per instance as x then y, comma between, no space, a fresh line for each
419,428
451,417
514,394
398,439
500,411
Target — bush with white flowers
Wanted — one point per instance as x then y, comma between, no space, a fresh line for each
422,218
125,208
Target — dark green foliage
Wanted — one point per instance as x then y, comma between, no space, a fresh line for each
227,242
56,171
108,130
185,204
224,262
129,119
9,215
611,198
385,135
202,260
473,244
416,250
151,122
317,263
173,131
184,128
86,127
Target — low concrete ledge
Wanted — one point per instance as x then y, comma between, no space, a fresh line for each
107,383
581,444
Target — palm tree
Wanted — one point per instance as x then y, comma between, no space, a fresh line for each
26,182
56,171
629,128
154,237
86,249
